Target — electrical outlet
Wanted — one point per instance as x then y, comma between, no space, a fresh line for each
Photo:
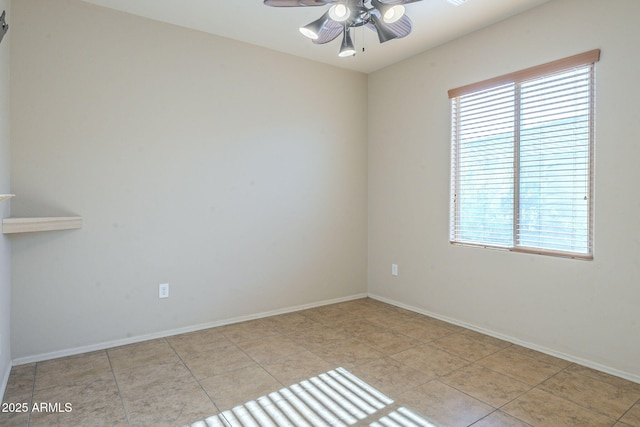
394,269
163,290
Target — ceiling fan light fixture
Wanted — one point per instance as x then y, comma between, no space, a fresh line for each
339,12
312,30
307,32
347,48
390,13
384,33
393,14
387,18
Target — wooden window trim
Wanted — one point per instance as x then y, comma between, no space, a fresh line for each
578,60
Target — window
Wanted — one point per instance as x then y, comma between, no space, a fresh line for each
522,159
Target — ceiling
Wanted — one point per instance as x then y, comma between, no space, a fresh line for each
434,22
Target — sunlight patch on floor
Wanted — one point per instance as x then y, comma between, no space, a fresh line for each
336,398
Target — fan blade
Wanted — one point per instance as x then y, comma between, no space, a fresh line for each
297,3
329,31
394,2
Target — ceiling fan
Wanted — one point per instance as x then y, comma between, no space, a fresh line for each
385,17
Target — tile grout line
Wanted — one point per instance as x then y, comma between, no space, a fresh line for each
429,342
533,387
113,373
260,364
579,404
559,397
420,342
493,412
33,391
196,379
283,335
475,362
627,411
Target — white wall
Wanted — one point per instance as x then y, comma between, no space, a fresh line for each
5,253
239,175
235,173
585,310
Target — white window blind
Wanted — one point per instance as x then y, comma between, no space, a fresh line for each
522,159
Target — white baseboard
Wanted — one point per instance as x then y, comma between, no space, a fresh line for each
570,358
162,334
4,381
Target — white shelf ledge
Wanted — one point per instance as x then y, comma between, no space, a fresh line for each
6,196
31,225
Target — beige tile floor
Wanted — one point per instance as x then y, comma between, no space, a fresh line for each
451,375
